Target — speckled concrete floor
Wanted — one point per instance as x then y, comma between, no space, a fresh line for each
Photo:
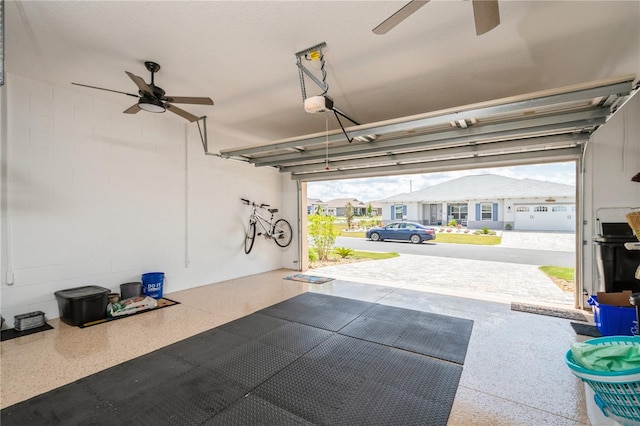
514,372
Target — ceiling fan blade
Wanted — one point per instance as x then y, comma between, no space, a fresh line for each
486,14
182,113
107,90
144,87
399,16
188,100
132,109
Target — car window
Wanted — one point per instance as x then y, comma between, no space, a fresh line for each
393,226
410,226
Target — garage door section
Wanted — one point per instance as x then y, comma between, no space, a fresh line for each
545,217
540,127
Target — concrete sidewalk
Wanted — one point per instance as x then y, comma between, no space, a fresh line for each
494,281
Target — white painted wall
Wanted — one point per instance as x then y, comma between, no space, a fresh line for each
612,158
97,197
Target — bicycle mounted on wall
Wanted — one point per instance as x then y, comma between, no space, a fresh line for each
279,231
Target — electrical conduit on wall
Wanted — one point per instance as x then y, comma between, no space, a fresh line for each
186,196
5,228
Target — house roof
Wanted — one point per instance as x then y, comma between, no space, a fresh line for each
485,187
341,202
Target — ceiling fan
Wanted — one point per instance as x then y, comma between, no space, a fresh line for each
485,13
153,99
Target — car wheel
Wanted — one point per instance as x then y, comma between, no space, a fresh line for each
415,239
375,236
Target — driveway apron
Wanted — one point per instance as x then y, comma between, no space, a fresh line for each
495,281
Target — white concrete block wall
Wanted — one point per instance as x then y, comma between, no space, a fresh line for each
98,197
612,158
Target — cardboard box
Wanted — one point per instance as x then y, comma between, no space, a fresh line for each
615,299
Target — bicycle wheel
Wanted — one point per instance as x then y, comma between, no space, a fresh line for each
250,238
282,233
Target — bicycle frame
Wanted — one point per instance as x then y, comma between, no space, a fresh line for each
278,231
266,225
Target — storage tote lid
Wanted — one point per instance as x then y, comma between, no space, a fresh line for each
82,292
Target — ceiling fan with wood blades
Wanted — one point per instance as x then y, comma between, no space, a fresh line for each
153,99
485,13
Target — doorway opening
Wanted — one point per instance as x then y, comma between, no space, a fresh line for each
488,201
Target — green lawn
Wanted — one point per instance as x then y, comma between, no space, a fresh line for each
558,272
481,240
373,255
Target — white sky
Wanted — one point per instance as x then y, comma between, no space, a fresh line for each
373,189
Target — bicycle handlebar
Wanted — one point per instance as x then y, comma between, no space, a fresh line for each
251,203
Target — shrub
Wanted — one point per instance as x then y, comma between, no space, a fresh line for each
368,223
313,254
322,233
484,231
452,222
343,251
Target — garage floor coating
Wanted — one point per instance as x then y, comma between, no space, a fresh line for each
514,370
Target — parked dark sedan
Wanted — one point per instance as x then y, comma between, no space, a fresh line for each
404,231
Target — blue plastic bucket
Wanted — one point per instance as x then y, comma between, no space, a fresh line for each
152,284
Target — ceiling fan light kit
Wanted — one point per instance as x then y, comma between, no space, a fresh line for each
152,98
151,105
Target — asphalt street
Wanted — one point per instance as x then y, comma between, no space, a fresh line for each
497,253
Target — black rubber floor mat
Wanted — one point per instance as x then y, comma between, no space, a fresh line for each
586,329
71,404
202,348
252,410
192,399
252,363
340,304
161,303
12,333
315,316
378,403
350,381
310,390
296,338
439,336
349,354
253,326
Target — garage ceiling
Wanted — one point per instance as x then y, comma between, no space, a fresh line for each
242,54
545,126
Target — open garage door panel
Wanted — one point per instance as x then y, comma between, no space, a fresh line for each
546,126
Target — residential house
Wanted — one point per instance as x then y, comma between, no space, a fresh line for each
338,207
314,204
488,201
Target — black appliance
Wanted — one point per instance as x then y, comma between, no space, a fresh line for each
617,265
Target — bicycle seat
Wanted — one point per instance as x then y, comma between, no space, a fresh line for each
272,210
